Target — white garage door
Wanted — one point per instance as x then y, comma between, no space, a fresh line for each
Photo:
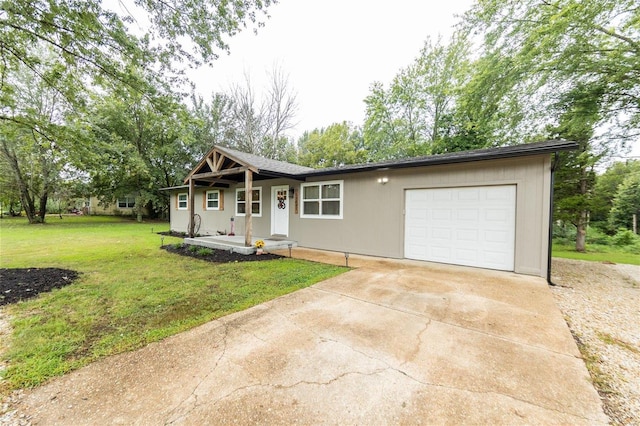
472,226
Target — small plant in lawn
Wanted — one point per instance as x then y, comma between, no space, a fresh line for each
178,246
193,249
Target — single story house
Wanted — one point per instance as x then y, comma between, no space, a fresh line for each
123,206
487,208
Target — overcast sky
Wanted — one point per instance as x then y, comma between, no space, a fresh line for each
332,51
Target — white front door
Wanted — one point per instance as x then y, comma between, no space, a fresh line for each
280,210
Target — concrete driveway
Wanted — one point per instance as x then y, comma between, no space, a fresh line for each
391,342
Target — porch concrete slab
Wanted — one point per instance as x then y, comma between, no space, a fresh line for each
236,243
391,342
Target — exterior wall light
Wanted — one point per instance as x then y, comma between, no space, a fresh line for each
383,180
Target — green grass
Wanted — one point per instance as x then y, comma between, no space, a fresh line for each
597,253
130,292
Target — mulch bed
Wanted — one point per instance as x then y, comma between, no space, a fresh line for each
219,256
23,283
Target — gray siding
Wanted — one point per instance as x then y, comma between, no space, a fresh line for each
373,221
373,214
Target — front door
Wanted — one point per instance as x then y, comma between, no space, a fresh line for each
280,210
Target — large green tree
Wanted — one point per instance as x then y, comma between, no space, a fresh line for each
626,203
90,48
139,147
606,189
575,174
95,43
338,144
416,114
34,145
535,51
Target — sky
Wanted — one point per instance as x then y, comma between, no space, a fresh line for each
332,51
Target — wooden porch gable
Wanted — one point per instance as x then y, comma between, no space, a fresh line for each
218,167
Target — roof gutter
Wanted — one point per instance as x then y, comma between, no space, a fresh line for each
556,157
443,159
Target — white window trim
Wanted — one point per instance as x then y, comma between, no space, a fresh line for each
235,201
186,201
319,184
217,191
126,200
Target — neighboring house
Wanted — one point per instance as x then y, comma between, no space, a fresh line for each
487,208
123,206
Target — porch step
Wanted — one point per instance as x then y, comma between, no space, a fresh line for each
236,243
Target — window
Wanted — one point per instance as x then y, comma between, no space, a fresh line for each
126,203
183,201
322,200
256,202
213,200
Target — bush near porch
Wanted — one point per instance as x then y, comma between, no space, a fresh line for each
129,293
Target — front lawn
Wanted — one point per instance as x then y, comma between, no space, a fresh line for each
129,293
597,253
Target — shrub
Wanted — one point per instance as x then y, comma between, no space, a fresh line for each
595,236
624,237
193,249
178,246
204,251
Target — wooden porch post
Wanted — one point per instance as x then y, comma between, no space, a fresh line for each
248,200
192,222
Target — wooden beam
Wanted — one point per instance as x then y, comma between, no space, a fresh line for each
211,163
248,204
219,162
192,197
225,172
225,181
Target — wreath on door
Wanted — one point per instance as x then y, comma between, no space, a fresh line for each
281,198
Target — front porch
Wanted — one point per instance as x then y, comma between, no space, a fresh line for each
236,243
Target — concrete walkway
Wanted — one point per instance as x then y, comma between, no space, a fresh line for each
391,342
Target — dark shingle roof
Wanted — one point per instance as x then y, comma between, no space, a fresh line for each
537,148
265,164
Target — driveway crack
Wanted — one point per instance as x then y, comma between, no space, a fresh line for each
193,395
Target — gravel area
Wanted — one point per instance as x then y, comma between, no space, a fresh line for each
601,304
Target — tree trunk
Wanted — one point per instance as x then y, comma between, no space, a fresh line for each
581,232
43,206
583,221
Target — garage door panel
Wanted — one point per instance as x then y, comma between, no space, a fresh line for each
469,235
501,237
469,194
473,226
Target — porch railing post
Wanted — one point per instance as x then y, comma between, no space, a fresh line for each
248,200
192,222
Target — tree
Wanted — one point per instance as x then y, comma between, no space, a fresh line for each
416,113
606,188
338,144
260,126
9,191
626,203
212,123
575,174
537,51
90,48
140,146
94,42
35,144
